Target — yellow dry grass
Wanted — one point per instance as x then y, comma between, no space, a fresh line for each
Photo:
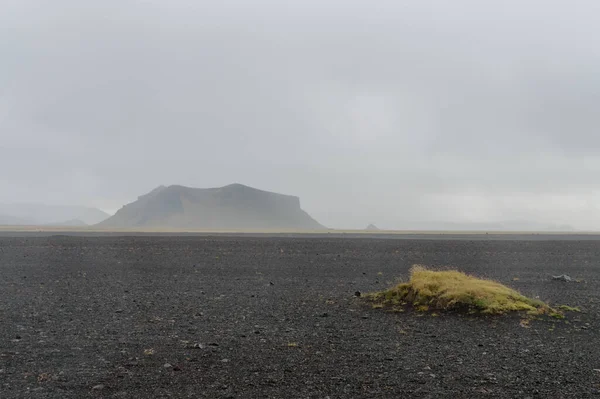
454,290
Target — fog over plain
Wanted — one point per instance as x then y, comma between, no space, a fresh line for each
398,113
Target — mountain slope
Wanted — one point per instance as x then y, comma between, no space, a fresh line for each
230,207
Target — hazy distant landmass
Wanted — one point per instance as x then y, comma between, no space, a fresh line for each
14,221
372,227
230,207
70,223
40,214
508,225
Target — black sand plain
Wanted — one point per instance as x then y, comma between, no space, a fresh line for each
277,317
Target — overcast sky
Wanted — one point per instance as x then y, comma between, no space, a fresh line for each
389,112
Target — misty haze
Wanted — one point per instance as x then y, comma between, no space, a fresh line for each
299,199
410,116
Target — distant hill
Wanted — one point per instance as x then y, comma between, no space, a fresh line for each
9,220
70,223
372,227
40,214
231,207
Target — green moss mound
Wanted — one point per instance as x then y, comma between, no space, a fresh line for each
454,290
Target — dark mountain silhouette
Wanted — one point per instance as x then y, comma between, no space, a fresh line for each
372,227
230,207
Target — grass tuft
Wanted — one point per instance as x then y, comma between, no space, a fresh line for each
454,290
567,308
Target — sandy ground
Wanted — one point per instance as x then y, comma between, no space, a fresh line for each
277,317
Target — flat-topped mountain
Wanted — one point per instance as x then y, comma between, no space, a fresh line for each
231,207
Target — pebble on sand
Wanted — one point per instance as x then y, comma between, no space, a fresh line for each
562,277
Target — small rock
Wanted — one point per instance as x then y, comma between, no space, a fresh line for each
17,337
198,346
562,277
98,387
119,311
357,293
167,365
176,368
324,314
225,360
596,370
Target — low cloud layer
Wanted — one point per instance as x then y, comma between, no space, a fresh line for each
397,113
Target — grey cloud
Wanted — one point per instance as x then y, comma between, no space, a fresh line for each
391,112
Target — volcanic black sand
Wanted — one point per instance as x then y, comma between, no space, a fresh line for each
277,317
